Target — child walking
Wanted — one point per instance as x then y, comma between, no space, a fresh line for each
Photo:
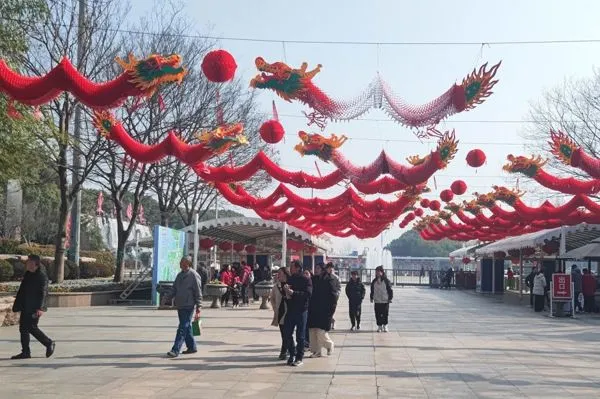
381,294
355,291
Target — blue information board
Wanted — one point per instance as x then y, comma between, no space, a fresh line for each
169,248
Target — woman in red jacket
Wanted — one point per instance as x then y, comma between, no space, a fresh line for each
588,287
227,279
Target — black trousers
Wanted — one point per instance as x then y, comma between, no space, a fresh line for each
355,309
531,297
539,303
28,324
381,313
588,303
284,344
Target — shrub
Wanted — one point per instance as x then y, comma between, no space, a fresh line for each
96,269
71,269
35,249
9,247
105,257
6,270
18,268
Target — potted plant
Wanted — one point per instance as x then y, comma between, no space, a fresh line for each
216,290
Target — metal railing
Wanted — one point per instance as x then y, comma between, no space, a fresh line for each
408,277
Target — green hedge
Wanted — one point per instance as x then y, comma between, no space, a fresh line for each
6,270
96,269
18,268
10,247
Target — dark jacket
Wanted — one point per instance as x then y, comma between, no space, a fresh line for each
187,290
355,291
529,279
576,277
322,302
32,293
302,287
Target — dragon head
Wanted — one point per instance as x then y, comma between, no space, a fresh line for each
506,195
151,72
472,207
520,164
223,137
563,147
453,207
475,88
315,144
486,200
104,121
445,151
287,82
413,194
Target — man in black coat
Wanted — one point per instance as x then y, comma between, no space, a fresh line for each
31,302
355,291
298,291
320,311
529,284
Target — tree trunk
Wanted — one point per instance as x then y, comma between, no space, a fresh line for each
164,218
63,214
120,269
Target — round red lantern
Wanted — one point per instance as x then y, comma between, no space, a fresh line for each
446,195
515,260
250,249
206,243
466,260
435,205
419,212
424,203
219,66
476,158
225,246
310,249
550,247
499,255
528,251
458,187
238,247
271,131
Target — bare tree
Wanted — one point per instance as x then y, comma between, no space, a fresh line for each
52,39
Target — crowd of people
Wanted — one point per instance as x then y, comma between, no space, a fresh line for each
304,306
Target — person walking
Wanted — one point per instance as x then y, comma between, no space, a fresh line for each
337,286
539,291
31,302
510,276
247,279
355,291
529,284
279,306
187,296
382,294
298,291
226,278
588,287
577,288
320,312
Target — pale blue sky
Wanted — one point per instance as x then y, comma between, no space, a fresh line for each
417,73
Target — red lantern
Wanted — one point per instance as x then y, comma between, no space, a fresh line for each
272,131
424,203
419,212
476,158
435,205
458,187
225,246
514,253
466,260
446,195
499,255
515,260
250,249
238,247
206,243
310,249
219,66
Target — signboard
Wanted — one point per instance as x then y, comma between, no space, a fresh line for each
561,287
169,248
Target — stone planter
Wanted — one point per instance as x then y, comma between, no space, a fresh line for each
263,290
216,291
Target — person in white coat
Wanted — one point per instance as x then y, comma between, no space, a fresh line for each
539,287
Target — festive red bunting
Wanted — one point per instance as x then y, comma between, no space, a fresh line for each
219,66
139,78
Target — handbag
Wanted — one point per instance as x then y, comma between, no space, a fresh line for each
197,328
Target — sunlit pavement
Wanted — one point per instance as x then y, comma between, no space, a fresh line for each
441,344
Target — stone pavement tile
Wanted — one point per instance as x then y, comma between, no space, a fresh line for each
364,391
188,393
292,395
306,387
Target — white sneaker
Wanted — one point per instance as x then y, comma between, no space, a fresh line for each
385,329
379,328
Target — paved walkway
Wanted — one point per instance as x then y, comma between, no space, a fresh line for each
441,344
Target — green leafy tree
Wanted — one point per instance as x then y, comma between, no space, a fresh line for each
410,243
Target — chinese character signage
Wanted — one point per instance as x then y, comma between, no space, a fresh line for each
561,286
